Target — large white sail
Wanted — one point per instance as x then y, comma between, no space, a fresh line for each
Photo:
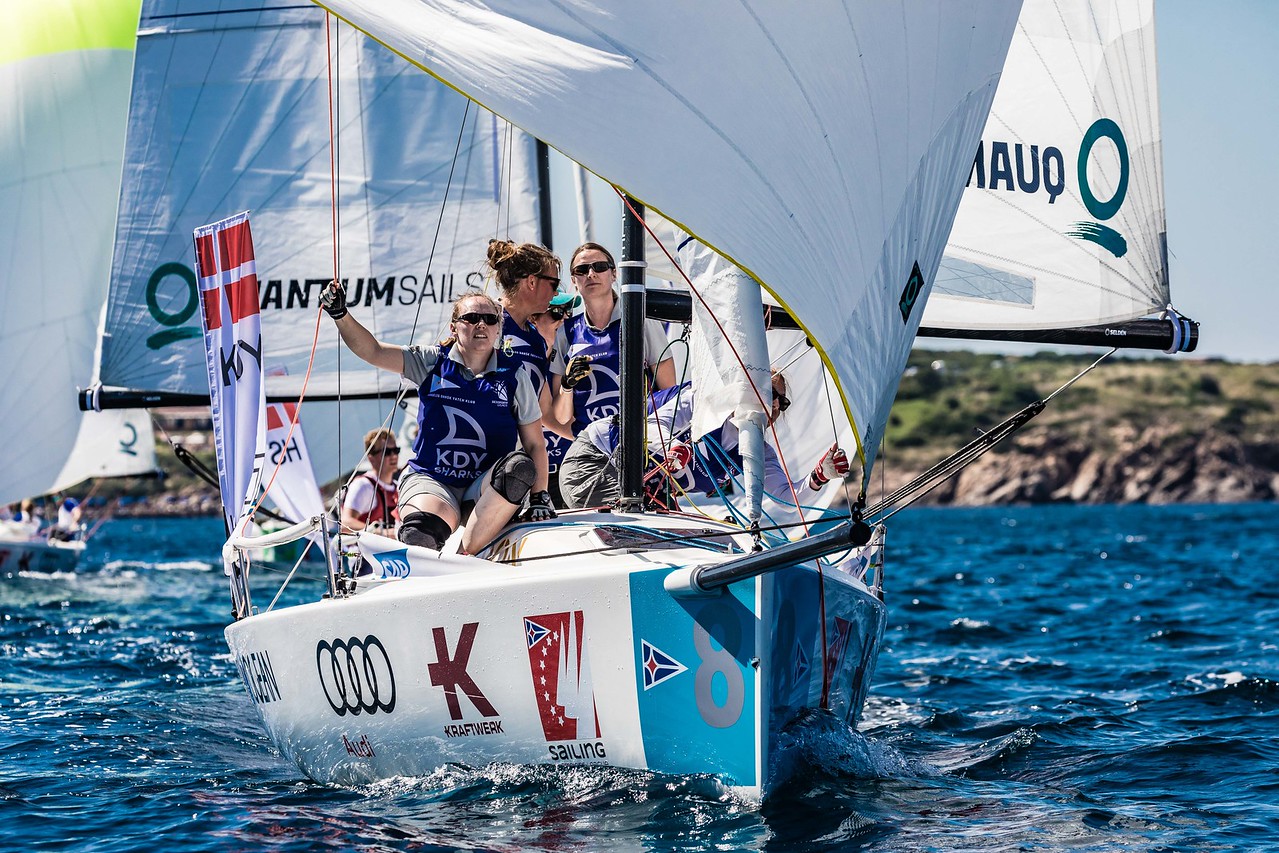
230,112
64,90
1062,221
821,147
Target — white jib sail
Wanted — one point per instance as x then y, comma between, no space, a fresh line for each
231,112
1062,221
64,94
821,147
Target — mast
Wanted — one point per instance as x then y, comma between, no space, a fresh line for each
544,193
631,447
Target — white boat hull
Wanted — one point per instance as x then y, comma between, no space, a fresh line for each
21,554
578,659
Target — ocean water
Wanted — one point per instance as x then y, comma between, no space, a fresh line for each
1053,678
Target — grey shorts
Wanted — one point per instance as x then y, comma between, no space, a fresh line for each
588,476
413,483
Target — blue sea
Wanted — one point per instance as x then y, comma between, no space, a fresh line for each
1053,678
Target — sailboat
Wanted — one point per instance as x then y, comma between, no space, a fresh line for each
662,641
66,69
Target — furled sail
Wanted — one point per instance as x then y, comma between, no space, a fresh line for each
1062,220
64,94
231,112
822,147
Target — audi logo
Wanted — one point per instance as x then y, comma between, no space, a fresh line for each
356,675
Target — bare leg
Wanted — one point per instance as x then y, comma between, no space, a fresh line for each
491,514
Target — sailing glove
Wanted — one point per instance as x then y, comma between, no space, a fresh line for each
833,461
540,507
578,368
677,457
333,300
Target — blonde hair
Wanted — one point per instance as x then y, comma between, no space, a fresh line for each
374,434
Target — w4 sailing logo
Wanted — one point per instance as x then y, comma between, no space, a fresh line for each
561,674
1108,238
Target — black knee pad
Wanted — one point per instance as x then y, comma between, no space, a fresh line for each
425,530
513,476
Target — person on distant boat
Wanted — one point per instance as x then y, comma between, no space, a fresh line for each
472,409
548,324
585,380
372,501
67,526
590,474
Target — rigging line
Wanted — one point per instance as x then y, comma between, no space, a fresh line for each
781,456
834,428
969,453
439,222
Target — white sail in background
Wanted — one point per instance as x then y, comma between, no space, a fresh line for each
834,184
113,443
1062,221
64,93
230,112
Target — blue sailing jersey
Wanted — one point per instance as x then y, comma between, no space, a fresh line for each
464,425
597,396
556,446
525,346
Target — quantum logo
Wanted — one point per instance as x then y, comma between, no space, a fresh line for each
1106,237
185,302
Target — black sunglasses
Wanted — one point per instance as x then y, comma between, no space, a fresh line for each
783,402
475,318
553,280
383,451
598,266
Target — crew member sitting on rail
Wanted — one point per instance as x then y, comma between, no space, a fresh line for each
371,498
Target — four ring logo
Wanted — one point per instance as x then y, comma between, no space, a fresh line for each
356,675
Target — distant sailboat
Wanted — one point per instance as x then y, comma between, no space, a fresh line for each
64,69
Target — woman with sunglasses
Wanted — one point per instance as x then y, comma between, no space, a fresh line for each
473,408
585,373
371,498
590,475
528,276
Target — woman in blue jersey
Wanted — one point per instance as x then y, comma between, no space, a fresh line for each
585,385
528,276
473,408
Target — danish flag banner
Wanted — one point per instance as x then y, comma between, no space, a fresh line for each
289,475
228,281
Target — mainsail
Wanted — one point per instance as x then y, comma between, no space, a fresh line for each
64,79
833,184
231,112
1062,221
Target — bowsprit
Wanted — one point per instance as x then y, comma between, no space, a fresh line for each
356,675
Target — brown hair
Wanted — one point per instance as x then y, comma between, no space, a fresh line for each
586,247
511,262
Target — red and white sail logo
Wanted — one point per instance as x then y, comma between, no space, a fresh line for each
562,676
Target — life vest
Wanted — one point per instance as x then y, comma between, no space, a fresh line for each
524,346
464,425
385,502
599,395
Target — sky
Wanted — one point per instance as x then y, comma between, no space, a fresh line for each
1219,99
